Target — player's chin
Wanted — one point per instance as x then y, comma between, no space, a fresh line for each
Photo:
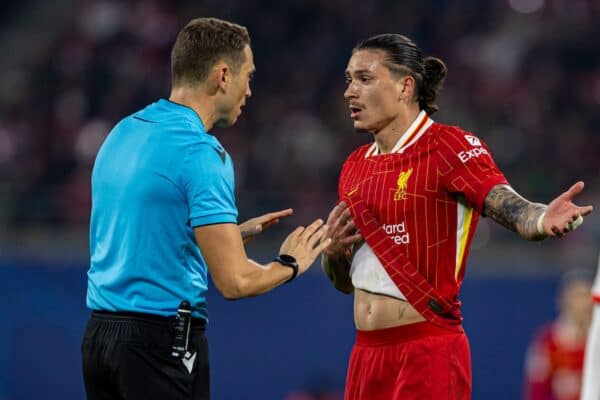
358,125
361,126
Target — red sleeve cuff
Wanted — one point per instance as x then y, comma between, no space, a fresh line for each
484,189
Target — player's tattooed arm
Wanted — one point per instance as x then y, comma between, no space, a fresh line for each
509,209
535,221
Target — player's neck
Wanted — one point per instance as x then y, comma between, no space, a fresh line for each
204,107
387,137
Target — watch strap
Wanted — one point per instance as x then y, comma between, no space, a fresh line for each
288,261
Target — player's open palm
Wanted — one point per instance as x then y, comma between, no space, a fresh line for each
305,244
562,215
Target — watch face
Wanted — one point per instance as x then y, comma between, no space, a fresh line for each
287,258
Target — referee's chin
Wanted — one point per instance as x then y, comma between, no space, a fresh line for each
225,122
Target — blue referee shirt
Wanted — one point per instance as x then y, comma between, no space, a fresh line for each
158,175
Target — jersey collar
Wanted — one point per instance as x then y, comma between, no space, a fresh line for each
409,137
185,110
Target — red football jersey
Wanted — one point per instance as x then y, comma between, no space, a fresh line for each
428,195
554,365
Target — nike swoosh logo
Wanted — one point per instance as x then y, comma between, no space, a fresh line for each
350,193
188,361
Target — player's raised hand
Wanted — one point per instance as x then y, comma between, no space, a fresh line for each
256,225
342,231
305,244
562,216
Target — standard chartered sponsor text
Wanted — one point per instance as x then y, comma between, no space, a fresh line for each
397,232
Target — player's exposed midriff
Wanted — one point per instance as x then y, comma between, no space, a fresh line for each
374,311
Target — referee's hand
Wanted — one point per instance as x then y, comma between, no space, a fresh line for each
305,244
256,225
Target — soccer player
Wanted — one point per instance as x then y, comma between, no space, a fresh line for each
410,202
554,361
591,369
163,213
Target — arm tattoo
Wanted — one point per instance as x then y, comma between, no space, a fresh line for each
509,209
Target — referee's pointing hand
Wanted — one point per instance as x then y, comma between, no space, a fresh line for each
256,225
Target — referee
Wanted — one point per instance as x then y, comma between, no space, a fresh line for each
163,214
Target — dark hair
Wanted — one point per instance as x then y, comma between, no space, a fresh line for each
203,42
405,58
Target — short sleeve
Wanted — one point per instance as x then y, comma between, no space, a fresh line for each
467,167
208,182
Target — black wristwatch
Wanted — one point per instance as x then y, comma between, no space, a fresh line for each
288,261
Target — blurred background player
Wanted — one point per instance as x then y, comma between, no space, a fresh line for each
554,362
163,215
415,195
591,370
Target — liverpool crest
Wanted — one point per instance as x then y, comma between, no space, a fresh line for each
402,185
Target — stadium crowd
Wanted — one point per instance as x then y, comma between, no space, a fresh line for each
527,83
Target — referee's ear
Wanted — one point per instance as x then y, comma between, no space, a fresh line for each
221,76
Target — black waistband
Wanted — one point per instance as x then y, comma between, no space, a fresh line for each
151,318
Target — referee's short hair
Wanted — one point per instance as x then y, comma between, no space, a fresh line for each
202,43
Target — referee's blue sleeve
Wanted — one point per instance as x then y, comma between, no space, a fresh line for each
208,183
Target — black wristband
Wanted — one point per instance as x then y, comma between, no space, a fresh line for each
288,261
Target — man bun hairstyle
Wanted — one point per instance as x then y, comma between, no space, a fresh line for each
201,44
433,79
404,58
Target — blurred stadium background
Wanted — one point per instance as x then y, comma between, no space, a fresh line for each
524,75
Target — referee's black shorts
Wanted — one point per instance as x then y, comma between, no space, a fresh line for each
128,356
